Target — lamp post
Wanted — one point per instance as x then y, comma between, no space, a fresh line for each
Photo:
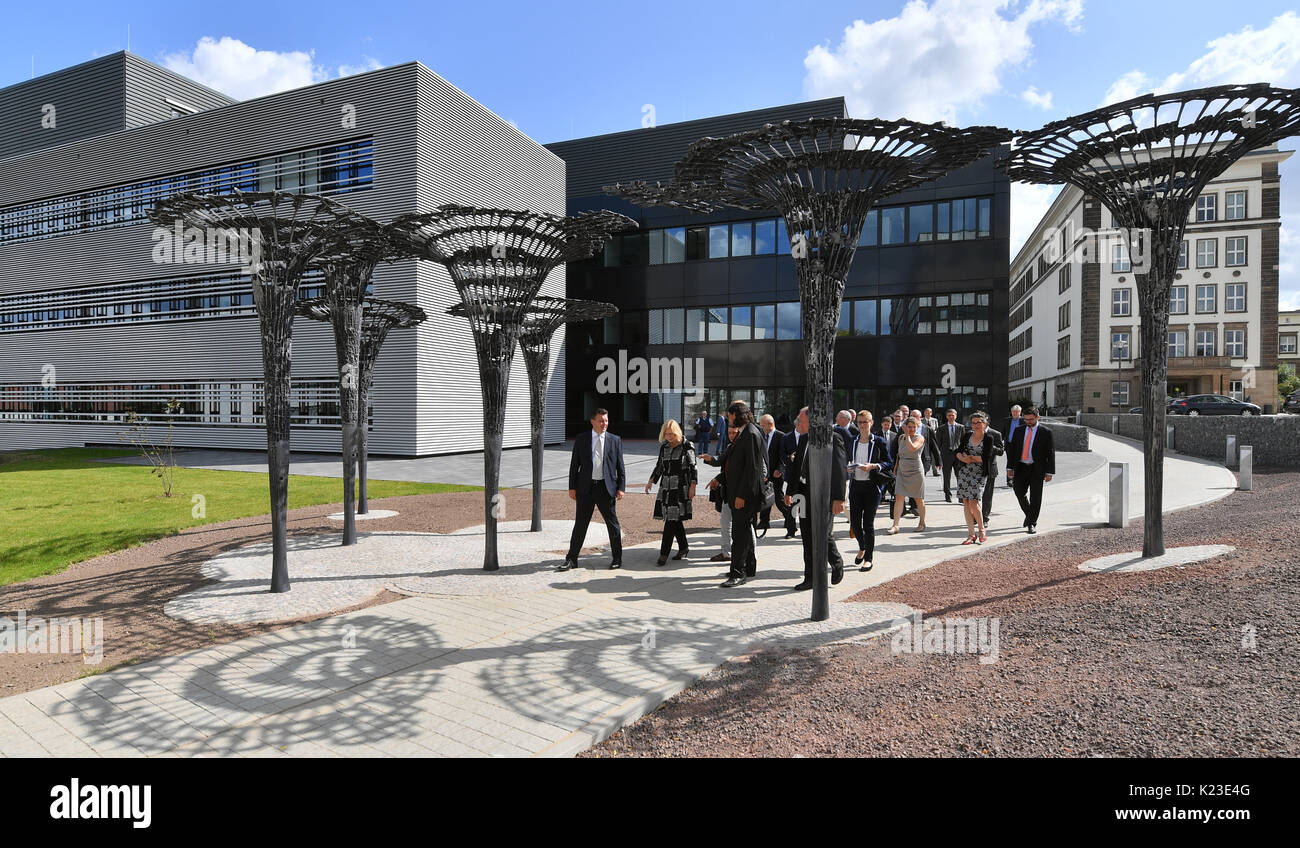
823,175
289,231
1147,160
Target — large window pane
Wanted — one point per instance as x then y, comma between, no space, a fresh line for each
920,223
986,217
742,239
972,217
765,321
656,238
740,319
719,319
674,244
787,321
782,238
864,317
869,227
764,237
957,223
697,243
892,230
695,325
656,326
846,319
899,316
941,226
718,241
634,249
673,326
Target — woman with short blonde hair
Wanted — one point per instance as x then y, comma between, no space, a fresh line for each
670,426
676,475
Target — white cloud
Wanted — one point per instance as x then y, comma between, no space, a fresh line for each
1271,54
1029,203
242,72
934,59
1032,96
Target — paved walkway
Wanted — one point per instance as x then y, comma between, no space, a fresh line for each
546,672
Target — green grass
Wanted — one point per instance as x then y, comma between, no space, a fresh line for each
58,507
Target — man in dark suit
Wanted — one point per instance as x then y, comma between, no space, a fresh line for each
948,440
890,434
597,480
999,448
841,428
742,466
773,439
1031,461
797,484
1008,429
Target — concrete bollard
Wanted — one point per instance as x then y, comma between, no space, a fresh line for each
1078,417
1169,437
1114,424
1231,458
1118,494
1245,470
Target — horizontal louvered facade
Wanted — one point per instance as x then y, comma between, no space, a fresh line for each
422,142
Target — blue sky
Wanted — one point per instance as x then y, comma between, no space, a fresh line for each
566,69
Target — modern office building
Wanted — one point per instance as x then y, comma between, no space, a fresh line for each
924,319
1074,326
92,328
1288,332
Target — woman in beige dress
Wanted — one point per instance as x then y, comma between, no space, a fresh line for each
909,473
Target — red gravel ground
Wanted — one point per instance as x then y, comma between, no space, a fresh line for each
1195,661
128,589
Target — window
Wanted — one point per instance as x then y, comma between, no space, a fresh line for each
1234,251
920,223
1118,393
1205,343
1234,343
1286,344
864,317
1121,303
1063,353
742,238
675,244
1205,207
656,246
869,227
718,241
782,238
765,321
697,243
1177,343
696,324
1178,299
673,333
1235,390
787,321
1206,298
1182,256
1207,253
891,226
1063,280
1234,297
1119,346
719,320
1063,316
741,316
1234,205
1119,259
764,237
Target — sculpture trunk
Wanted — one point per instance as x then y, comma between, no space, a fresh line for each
276,312
496,349
347,339
537,361
1153,308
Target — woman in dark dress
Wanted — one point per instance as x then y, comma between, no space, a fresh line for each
675,473
974,455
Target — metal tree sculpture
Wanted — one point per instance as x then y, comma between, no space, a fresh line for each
823,175
498,259
377,318
289,231
545,316
1147,160
363,244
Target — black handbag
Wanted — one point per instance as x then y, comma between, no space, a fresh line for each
880,477
769,490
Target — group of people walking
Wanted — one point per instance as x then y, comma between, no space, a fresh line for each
762,468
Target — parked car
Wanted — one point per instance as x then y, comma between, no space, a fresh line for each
1213,405
1292,403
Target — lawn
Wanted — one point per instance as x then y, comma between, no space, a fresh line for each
58,507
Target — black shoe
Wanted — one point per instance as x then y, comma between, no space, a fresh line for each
803,586
661,561
568,563
733,582
1032,530
867,567
837,574
860,557
720,558
615,564
681,555
750,572
986,520
948,498
791,534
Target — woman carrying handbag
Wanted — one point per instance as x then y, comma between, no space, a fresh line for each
676,475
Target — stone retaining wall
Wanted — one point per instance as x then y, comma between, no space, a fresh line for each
1275,438
1067,437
